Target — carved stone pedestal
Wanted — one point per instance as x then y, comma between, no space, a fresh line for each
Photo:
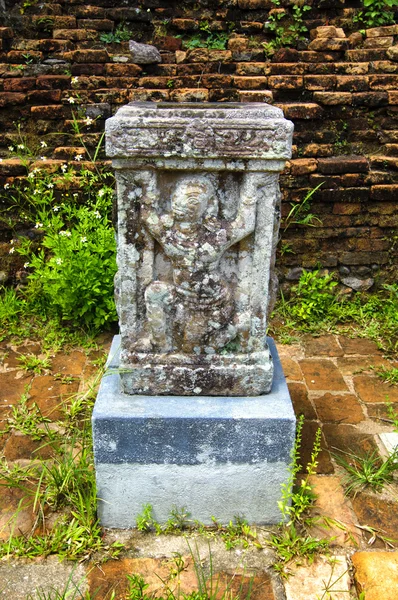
198,219
215,455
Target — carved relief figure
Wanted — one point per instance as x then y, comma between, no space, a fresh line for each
194,314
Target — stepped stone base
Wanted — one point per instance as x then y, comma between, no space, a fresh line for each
216,456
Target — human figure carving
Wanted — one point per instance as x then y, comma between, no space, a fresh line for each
195,313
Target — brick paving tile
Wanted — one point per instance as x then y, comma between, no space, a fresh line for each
325,465
378,411
301,403
339,408
358,346
13,385
291,369
111,576
50,394
372,389
309,582
351,365
20,446
347,438
331,502
376,574
69,364
324,345
322,374
378,511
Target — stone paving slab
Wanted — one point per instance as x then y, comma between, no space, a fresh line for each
315,581
331,383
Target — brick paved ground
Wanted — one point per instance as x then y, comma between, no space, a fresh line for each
332,384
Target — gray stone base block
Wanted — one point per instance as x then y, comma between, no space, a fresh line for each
216,456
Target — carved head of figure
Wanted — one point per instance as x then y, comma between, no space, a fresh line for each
193,199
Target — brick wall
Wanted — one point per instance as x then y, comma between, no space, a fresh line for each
338,86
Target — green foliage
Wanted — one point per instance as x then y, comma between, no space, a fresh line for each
366,471
34,363
292,542
300,214
287,27
376,13
28,420
387,374
206,38
313,296
70,263
393,415
121,34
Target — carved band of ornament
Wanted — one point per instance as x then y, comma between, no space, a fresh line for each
228,141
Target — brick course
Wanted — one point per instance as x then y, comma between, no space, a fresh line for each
339,87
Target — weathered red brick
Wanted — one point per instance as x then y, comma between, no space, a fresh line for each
333,98
19,57
6,33
185,24
343,164
64,22
255,96
302,166
364,258
217,81
285,82
253,4
384,192
88,69
319,82
21,84
366,55
11,99
352,83
75,35
50,82
305,110
142,95
249,83
95,24
49,112
257,68
124,14
122,70
327,31
286,68
189,95
379,42
168,42
381,31
332,44
87,56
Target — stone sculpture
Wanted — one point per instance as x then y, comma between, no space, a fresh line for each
196,241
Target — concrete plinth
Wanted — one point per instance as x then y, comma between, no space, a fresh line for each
216,456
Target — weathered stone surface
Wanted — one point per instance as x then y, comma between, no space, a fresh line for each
144,54
193,310
377,510
372,390
339,408
324,345
376,574
322,375
310,581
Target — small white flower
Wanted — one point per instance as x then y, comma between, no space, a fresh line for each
71,100
11,242
11,148
64,168
31,175
21,147
38,225
101,192
56,208
43,144
50,185
59,261
65,233
97,214
83,239
75,195
1,160
36,170
26,265
74,80
35,192
6,186
89,120
11,251
78,156
43,157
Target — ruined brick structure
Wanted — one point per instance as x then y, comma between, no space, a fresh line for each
338,86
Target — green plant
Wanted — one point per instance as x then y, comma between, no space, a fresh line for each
70,273
121,34
291,541
34,363
205,38
237,533
368,470
288,27
387,374
313,296
299,213
29,420
376,13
